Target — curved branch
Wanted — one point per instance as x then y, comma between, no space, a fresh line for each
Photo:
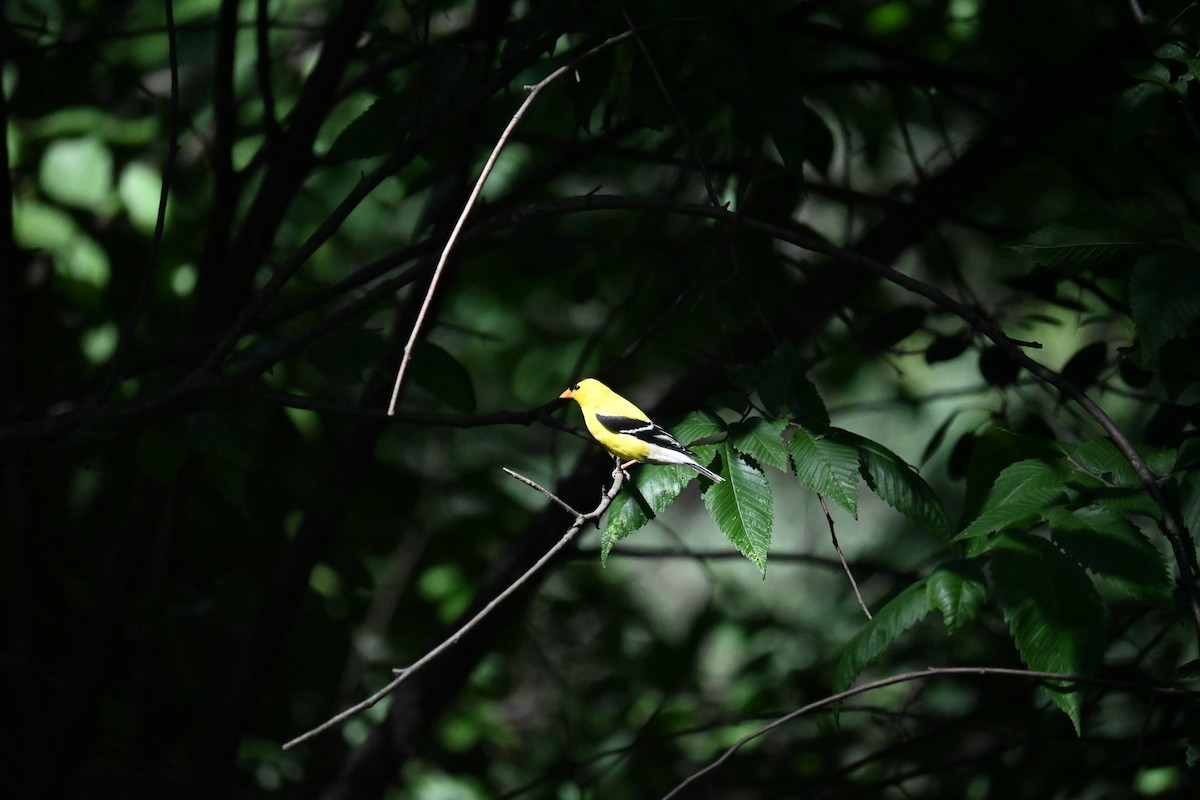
926,674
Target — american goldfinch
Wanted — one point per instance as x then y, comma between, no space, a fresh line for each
625,430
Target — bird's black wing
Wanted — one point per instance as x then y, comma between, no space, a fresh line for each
640,428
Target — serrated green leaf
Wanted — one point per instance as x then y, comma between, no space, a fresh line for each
382,128
783,387
1069,249
1111,546
443,376
1164,295
994,450
660,484
761,439
896,483
1122,500
696,426
957,589
1020,496
829,468
741,507
1101,458
1052,609
900,614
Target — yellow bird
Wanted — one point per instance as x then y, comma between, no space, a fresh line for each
625,430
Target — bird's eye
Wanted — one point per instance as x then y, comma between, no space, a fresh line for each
575,388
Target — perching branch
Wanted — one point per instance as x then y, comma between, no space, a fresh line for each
926,674
401,674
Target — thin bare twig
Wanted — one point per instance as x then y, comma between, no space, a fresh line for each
489,165
402,674
932,672
842,557
549,494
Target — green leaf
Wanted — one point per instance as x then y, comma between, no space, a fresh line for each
784,388
1111,546
889,623
660,484
1019,497
1069,249
443,376
1137,110
1164,295
761,439
696,426
829,468
1052,609
957,589
79,173
741,507
994,450
896,483
1123,501
140,188
1101,458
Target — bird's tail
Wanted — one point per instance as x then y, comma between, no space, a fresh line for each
706,472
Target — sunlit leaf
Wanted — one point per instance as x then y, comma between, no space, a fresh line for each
659,485
742,508
78,172
1019,496
760,438
827,467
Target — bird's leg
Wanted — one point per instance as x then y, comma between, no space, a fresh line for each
624,467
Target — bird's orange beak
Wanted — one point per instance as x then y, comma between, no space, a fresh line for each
566,395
